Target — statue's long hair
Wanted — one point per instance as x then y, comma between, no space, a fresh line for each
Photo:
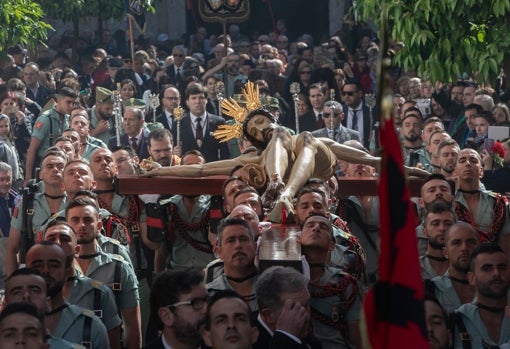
261,111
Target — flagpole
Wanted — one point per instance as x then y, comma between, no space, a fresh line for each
225,68
132,42
394,315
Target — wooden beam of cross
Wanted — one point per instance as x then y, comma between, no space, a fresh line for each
212,185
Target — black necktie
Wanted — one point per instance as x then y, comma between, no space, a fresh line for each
134,143
414,158
355,120
320,121
5,217
199,134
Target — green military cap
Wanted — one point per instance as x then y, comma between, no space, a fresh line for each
135,102
239,98
270,102
154,125
103,95
49,104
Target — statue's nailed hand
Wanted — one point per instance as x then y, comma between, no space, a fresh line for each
149,168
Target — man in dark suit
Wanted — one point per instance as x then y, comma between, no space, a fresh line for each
178,304
197,126
171,99
284,314
357,114
175,71
237,330
35,90
312,120
135,135
333,115
7,196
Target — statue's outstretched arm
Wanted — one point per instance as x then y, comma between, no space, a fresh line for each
221,167
346,153
350,154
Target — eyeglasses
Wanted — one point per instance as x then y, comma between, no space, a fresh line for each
349,93
196,303
327,115
172,98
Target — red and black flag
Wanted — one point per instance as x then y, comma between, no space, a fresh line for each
394,309
136,11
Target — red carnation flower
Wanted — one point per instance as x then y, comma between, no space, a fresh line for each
497,148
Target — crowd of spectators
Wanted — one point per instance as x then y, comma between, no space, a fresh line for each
84,112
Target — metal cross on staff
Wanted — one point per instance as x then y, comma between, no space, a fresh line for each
333,111
154,104
295,89
117,113
178,114
370,102
219,88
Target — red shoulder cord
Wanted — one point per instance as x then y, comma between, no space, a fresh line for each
498,218
183,226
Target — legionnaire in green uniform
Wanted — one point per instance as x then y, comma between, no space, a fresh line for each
485,323
34,210
21,323
452,289
48,127
28,285
79,121
131,211
81,290
65,320
336,299
236,246
83,215
102,124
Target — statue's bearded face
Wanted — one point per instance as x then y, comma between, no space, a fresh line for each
260,127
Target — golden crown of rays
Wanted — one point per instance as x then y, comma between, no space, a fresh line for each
239,112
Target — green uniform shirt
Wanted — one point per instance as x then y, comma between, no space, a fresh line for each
42,215
84,293
94,121
48,127
221,283
183,254
335,308
71,327
125,289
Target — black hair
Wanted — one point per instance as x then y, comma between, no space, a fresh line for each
168,286
487,248
28,309
234,221
439,207
67,92
81,202
440,177
222,294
